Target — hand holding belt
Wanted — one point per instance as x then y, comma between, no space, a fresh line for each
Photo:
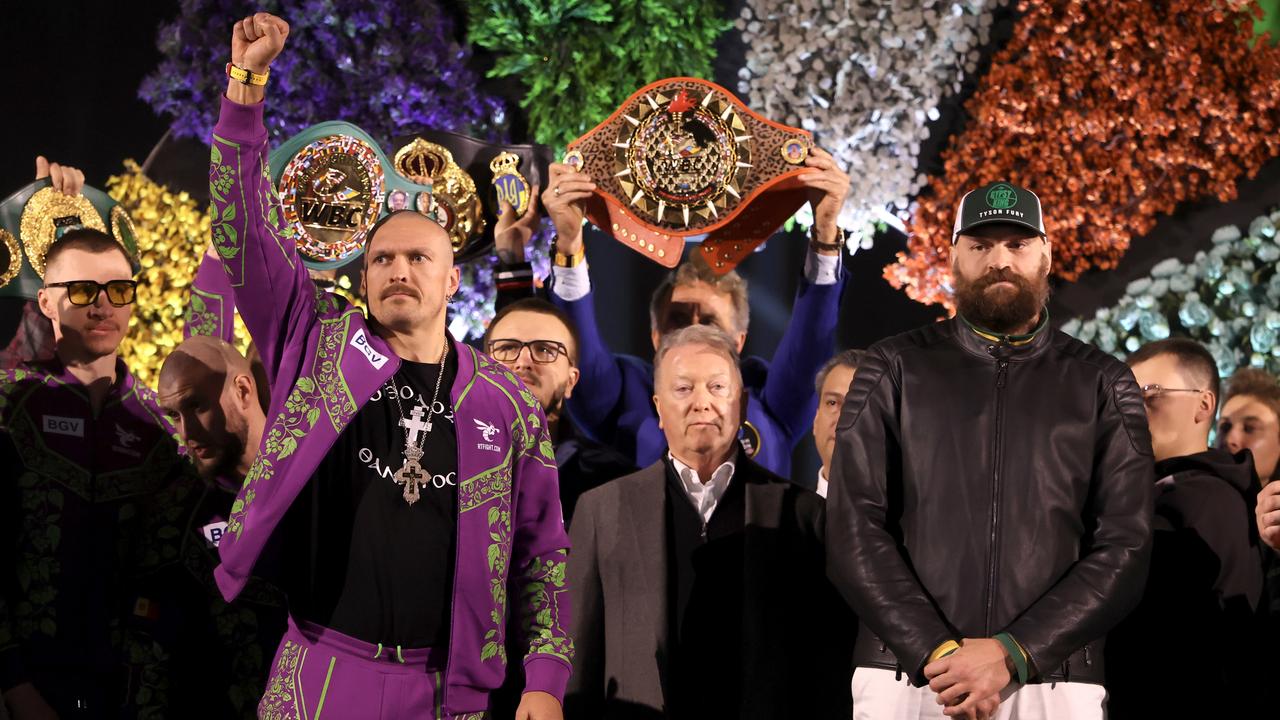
496,171
35,216
684,157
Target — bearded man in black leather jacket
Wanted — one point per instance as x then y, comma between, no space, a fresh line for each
989,515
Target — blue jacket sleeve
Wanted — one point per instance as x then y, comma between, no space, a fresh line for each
808,342
601,376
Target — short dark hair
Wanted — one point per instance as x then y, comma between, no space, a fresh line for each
1255,383
844,358
541,307
1191,357
87,239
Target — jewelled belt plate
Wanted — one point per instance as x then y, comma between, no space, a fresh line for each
335,182
331,183
450,197
473,181
34,217
684,157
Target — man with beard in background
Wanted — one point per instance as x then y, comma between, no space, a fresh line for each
219,653
989,514
538,341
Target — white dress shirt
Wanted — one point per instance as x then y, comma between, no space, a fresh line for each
822,482
706,495
573,283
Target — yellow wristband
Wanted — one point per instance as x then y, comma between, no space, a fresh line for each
944,650
241,75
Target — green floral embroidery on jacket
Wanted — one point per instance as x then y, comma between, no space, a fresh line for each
300,414
499,555
538,599
327,393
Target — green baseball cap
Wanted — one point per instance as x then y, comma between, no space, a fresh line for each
998,202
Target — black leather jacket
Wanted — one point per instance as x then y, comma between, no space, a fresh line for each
980,487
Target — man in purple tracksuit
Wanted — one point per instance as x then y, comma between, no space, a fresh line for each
411,477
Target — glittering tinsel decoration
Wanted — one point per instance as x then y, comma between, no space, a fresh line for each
172,235
868,77
1113,113
1226,298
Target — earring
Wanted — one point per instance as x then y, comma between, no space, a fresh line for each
448,299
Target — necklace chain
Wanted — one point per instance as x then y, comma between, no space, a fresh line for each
431,409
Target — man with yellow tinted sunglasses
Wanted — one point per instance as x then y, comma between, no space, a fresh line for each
85,456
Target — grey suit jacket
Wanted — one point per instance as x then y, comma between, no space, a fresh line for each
617,574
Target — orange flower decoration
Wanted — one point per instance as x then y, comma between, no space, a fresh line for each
1113,113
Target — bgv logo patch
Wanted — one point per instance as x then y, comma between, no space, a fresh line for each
361,343
64,425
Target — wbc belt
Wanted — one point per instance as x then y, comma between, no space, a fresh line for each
684,157
335,182
35,216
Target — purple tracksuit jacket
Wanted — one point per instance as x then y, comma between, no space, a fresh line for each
325,362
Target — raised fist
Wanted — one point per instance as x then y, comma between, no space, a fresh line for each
257,40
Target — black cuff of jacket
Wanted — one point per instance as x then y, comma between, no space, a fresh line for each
12,672
514,277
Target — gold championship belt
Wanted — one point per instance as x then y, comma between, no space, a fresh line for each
471,178
450,198
684,157
36,216
335,183
332,183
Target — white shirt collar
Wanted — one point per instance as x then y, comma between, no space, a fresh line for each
706,495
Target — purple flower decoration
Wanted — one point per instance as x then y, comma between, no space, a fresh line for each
390,68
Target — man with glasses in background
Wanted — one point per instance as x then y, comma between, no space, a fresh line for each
85,452
1205,584
538,341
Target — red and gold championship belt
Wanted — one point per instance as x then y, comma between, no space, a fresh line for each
684,157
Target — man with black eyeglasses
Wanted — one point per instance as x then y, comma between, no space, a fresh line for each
538,341
85,454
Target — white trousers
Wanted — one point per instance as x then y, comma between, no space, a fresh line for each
877,695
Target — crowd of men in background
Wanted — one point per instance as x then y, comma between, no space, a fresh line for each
1006,522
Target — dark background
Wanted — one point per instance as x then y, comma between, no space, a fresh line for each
73,71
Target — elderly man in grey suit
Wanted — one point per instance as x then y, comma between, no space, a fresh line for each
698,583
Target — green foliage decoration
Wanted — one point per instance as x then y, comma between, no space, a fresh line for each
579,59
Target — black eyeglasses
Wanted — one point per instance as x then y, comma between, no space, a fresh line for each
543,352
85,292
1153,392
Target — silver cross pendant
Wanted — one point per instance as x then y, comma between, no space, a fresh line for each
412,476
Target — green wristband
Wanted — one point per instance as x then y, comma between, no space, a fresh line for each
1015,653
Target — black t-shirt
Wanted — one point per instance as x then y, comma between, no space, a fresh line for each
357,557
